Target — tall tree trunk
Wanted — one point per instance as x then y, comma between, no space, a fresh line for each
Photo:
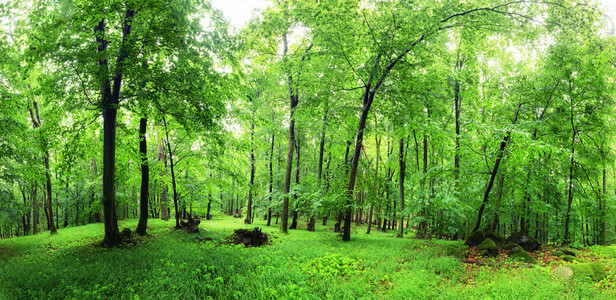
110,102
35,212
456,168
296,206
604,209
145,178
271,179
499,157
248,219
173,182
566,237
402,173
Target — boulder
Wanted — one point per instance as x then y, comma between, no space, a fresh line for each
520,254
497,238
475,238
563,272
528,243
591,271
488,247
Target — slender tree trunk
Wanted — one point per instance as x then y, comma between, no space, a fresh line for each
402,173
145,178
271,179
456,168
566,237
499,157
173,182
296,206
35,212
603,212
248,219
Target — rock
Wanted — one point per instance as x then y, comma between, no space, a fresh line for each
563,272
558,253
488,247
475,238
127,235
520,254
591,271
528,243
497,238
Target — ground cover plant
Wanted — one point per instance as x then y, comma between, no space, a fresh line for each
302,265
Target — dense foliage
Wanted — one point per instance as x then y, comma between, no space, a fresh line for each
441,116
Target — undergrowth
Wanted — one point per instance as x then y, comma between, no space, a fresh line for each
301,265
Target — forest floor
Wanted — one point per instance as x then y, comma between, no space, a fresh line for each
171,264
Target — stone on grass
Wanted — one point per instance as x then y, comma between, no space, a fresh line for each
475,238
488,247
563,272
591,271
567,258
528,243
558,253
497,238
518,253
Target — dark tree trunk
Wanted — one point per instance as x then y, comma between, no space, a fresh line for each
456,168
110,102
271,179
402,173
173,182
566,237
145,178
499,157
35,212
604,208
248,219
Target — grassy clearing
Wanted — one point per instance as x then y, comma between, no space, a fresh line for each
301,265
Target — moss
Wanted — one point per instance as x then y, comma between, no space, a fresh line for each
518,253
558,253
475,238
568,258
454,251
488,246
588,270
527,242
497,238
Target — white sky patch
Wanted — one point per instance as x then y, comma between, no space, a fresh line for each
239,12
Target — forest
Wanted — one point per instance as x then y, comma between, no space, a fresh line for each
373,149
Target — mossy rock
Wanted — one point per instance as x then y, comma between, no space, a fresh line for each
488,247
588,270
558,253
475,238
527,242
497,238
517,253
568,258
454,251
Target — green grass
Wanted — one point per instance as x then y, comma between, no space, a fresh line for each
300,265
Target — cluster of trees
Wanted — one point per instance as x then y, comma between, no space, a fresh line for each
443,116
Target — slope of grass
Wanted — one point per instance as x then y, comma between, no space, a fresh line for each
300,265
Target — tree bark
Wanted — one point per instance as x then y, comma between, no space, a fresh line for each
402,173
173,182
248,219
145,178
110,103
499,157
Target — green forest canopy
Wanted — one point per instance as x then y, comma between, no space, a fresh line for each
444,116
